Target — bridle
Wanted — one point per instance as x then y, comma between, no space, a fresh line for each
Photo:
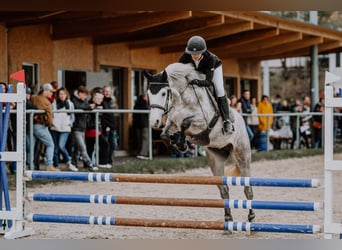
165,108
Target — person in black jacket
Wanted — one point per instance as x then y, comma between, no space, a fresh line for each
79,126
92,132
108,122
140,125
246,108
209,64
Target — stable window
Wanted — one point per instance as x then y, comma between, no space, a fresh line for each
31,75
338,60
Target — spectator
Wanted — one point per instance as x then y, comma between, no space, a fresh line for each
246,109
91,132
234,104
54,84
78,129
61,128
140,125
29,106
305,129
108,122
285,106
253,121
297,107
277,103
265,107
317,123
43,122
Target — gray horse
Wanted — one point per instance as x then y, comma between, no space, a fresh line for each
192,112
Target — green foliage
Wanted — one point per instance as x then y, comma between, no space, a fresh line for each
159,165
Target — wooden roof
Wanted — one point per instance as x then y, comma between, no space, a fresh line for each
229,34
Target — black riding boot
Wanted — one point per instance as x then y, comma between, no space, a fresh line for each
224,109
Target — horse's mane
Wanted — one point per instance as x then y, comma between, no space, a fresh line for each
176,71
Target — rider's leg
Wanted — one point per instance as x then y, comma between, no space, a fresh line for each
224,109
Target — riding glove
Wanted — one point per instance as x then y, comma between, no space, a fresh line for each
201,83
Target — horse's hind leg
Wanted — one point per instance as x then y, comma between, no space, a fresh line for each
216,161
243,160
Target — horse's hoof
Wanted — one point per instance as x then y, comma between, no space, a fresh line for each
165,138
183,148
228,218
228,232
173,148
251,217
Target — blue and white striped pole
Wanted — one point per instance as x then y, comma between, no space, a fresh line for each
213,225
272,228
153,201
145,178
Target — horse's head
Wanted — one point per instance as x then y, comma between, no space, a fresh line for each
159,94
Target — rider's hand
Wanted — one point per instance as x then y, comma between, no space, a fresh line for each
194,81
201,83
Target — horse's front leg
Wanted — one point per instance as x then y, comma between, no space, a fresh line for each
181,144
216,161
224,191
166,134
249,195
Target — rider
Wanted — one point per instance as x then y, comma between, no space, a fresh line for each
209,64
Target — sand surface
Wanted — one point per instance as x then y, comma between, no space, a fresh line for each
310,167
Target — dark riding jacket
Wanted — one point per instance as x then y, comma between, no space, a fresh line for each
206,66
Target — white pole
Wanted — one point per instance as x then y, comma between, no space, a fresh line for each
328,157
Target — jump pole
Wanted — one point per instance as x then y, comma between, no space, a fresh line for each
149,178
209,225
184,202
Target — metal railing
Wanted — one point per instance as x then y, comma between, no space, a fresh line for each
298,116
97,113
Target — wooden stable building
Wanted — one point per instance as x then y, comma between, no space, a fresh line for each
98,48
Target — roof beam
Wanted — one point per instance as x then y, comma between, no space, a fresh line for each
116,25
282,23
209,34
146,37
181,36
244,38
274,52
296,53
266,43
322,48
329,46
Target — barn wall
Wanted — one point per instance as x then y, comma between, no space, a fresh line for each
120,55
230,67
249,69
3,52
31,44
73,54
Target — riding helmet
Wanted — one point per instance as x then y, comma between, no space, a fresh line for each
196,45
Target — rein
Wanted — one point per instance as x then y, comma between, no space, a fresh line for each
214,119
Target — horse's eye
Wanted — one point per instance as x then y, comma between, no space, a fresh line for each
163,94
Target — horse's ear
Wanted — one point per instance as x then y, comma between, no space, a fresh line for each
148,75
164,76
